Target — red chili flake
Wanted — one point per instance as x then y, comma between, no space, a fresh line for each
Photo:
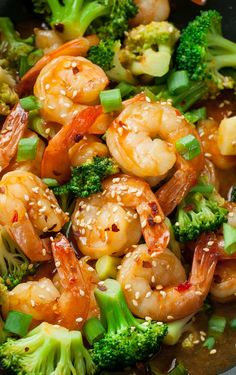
147,265
178,113
183,286
189,207
115,228
154,208
2,190
75,70
78,137
103,288
15,217
150,221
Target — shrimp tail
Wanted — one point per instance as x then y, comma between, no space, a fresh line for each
75,47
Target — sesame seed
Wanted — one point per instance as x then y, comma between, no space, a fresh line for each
153,279
148,294
230,214
26,197
47,131
44,252
159,287
198,293
196,341
79,319
74,64
134,302
154,263
81,292
30,266
148,318
137,295
57,264
32,303
170,317
208,155
127,286
213,351
210,243
206,249
47,86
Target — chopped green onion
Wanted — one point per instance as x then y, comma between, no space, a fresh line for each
150,94
232,323
34,57
51,182
202,188
216,324
27,148
196,115
37,124
23,66
189,147
125,89
209,343
111,100
179,370
229,238
18,323
93,330
29,103
178,82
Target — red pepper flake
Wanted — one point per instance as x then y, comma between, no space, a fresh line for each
183,286
189,207
154,208
115,228
15,217
2,190
75,70
150,221
147,265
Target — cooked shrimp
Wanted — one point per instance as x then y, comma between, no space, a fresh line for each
47,40
66,85
30,209
76,47
155,284
10,134
223,287
151,10
132,141
69,305
107,223
208,130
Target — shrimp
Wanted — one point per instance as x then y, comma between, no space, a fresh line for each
66,85
208,130
47,40
69,304
107,223
223,287
151,10
132,141
155,284
30,209
76,47
10,134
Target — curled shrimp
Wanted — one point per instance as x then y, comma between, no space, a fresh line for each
76,47
142,141
155,285
108,223
151,10
30,209
10,134
47,40
67,305
223,287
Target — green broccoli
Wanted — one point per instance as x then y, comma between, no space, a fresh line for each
47,349
8,96
106,18
199,212
126,340
107,55
233,194
149,48
86,179
13,263
203,51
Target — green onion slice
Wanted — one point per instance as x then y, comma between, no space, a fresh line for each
209,343
18,323
178,82
189,147
93,330
196,115
111,100
216,324
232,323
29,103
51,182
125,89
229,238
202,188
179,370
27,148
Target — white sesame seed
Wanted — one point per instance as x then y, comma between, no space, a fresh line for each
81,292
170,317
213,351
79,319
127,286
148,294
206,249
163,293
137,295
57,264
134,302
210,243
198,293
32,303
208,155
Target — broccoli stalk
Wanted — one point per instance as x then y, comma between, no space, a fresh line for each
197,213
126,340
47,349
106,55
86,179
13,263
203,51
72,18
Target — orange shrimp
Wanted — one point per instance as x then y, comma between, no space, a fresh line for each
11,132
75,47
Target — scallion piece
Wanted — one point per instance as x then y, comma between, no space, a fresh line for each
125,89
232,323
23,65
229,238
111,100
51,182
189,147
196,115
150,94
201,188
216,324
18,323
209,343
178,82
37,124
29,103
34,57
93,330
179,370
27,148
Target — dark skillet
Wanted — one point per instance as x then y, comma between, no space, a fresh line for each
182,12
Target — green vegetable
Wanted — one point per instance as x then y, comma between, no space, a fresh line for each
196,115
47,349
86,179
8,96
179,370
18,323
173,244
37,124
71,19
126,89
111,100
233,194
203,51
216,324
51,182
93,330
27,148
30,103
229,238
197,213
13,263
148,48
232,323
126,340
106,267
175,330
189,147
202,188
209,343
178,82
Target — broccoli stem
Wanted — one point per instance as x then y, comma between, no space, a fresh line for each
225,61
56,7
188,98
216,40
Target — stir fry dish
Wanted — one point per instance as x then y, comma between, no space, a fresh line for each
117,189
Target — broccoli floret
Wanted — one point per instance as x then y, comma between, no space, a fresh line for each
13,263
126,340
47,349
8,96
107,55
233,194
197,213
106,18
148,48
86,179
203,51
